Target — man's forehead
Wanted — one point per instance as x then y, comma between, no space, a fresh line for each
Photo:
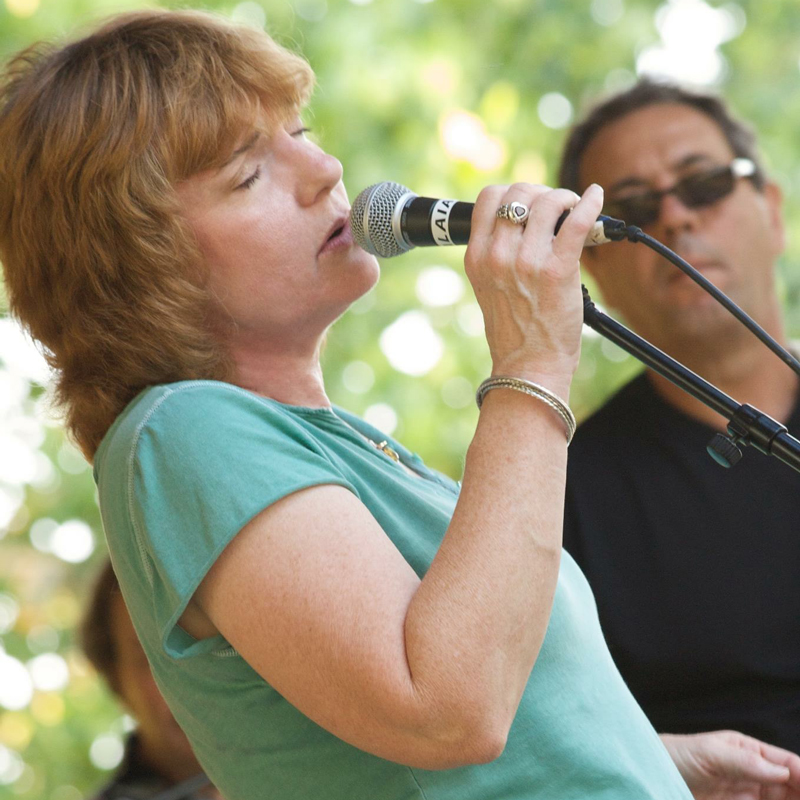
646,145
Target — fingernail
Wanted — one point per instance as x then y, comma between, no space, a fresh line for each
779,771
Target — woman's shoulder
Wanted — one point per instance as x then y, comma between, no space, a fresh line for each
193,417
185,403
193,397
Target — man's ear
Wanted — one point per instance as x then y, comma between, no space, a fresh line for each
773,194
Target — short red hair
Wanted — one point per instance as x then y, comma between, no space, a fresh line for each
99,265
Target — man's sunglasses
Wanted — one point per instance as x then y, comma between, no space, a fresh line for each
694,191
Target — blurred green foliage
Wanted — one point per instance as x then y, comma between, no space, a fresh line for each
395,79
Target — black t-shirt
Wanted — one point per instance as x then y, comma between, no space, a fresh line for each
696,568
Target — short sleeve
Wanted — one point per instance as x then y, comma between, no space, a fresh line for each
205,460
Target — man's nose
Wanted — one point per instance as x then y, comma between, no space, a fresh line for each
675,216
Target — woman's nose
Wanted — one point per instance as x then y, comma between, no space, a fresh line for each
322,173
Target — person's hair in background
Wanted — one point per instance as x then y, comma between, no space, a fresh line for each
647,92
109,306
96,634
158,756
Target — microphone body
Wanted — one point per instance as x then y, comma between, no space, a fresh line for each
388,219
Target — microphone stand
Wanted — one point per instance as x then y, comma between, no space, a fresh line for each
746,424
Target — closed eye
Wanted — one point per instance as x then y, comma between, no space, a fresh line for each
246,184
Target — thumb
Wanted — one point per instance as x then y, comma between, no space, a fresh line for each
754,767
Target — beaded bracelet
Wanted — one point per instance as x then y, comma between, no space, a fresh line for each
533,390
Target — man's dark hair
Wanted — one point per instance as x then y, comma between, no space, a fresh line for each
647,92
97,637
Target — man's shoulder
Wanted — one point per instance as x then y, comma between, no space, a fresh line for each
626,407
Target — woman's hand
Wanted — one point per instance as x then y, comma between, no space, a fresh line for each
725,765
527,281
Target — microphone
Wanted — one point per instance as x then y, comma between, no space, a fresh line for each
388,219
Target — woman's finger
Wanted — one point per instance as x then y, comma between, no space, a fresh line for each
485,212
572,236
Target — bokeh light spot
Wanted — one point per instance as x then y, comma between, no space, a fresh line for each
49,672
17,350
382,416
41,534
22,8
9,611
470,319
66,793
439,77
11,765
458,392
48,709
612,352
70,459
45,478
358,377
106,751
618,80
11,500
691,31
18,462
63,609
500,104
530,167
439,286
411,344
16,729
464,137
251,14
555,110
42,639
311,10
16,686
607,12
27,781
73,541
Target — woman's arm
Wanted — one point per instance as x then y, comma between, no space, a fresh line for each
318,600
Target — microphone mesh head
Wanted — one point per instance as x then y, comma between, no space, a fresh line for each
371,219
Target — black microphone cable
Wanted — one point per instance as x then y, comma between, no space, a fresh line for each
633,233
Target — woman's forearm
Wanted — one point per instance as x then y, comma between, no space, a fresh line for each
475,625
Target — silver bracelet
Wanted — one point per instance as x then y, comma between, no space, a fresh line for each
533,390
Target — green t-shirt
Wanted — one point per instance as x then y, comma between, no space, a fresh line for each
187,465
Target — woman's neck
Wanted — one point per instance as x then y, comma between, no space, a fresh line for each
285,371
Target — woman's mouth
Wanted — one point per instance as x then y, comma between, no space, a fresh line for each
341,236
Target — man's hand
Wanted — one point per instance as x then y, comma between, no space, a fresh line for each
725,765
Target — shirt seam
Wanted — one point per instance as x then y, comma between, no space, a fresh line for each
416,783
138,534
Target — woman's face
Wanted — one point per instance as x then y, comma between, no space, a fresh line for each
272,224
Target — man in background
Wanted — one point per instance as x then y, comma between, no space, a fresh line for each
695,568
159,763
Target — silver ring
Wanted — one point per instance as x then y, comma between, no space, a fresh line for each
516,213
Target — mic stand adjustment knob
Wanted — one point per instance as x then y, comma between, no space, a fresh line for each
724,450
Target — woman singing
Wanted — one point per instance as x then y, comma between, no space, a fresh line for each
326,617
